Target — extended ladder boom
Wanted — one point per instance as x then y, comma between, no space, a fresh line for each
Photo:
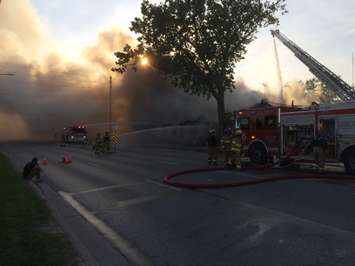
343,90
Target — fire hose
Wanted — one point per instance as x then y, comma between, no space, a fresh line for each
169,180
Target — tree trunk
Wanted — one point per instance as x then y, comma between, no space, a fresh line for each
220,109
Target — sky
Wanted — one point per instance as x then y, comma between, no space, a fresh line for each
324,28
62,51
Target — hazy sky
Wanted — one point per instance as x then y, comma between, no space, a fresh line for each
62,52
324,28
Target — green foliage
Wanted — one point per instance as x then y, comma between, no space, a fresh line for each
320,91
196,43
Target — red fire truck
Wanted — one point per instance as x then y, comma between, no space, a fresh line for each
292,132
335,123
261,131
289,133
75,135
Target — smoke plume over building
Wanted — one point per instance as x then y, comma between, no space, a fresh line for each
49,91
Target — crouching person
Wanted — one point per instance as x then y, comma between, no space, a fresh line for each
32,170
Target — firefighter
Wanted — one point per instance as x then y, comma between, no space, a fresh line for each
319,148
226,145
107,142
236,148
98,145
212,143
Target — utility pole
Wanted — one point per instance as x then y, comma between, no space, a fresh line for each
352,70
110,106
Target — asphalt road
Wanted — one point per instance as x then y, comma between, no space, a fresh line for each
299,222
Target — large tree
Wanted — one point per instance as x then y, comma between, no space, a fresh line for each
197,43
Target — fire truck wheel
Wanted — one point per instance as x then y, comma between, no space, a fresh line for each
258,154
349,161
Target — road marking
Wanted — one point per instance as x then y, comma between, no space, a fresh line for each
131,253
106,188
296,218
163,185
129,202
285,214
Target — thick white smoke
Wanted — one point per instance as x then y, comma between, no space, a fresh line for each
49,92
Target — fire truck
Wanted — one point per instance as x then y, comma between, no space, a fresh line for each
75,135
261,132
335,123
289,132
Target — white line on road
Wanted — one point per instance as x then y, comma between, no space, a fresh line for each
297,218
129,202
163,185
119,242
106,188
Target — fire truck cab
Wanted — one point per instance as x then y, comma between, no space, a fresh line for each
335,123
75,135
261,132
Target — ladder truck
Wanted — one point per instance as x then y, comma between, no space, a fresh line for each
333,82
290,132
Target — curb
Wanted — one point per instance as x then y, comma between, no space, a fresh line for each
62,213
85,258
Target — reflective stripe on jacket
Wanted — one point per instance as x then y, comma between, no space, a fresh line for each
226,143
236,144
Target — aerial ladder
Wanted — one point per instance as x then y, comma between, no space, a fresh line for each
333,82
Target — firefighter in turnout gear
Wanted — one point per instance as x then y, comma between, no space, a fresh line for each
236,148
226,146
212,143
107,142
98,145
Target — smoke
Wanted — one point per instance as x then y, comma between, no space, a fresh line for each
294,92
146,99
23,36
49,92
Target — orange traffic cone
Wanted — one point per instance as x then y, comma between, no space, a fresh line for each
66,160
44,162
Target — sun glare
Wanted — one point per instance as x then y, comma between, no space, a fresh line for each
144,61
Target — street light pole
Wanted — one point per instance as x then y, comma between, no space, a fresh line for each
7,74
110,106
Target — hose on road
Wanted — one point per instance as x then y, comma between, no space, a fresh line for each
169,180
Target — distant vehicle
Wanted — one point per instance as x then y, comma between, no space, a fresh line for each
75,135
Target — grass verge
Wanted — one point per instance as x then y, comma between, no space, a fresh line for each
28,234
